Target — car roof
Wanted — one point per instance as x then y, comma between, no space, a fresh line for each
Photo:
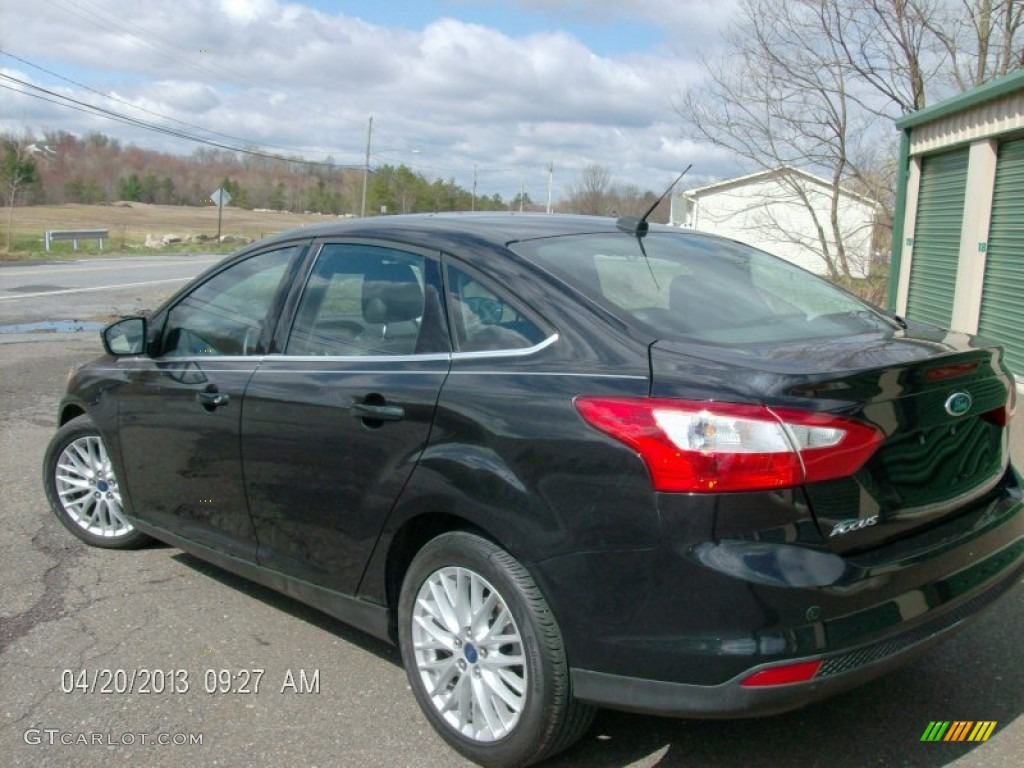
496,228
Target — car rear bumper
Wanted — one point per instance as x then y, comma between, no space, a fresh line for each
839,671
678,628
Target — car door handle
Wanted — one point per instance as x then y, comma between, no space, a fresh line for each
378,412
211,400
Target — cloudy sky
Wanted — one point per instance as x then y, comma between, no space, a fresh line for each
507,85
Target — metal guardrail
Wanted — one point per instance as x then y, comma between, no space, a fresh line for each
74,235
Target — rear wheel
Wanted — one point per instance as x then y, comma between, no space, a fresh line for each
484,655
83,490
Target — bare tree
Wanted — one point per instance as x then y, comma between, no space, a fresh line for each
782,97
591,195
910,51
980,39
815,84
629,200
885,44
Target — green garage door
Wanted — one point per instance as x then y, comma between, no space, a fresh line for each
940,216
1002,298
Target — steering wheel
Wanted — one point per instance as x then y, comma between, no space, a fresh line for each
487,309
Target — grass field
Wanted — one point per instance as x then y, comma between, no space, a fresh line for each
130,223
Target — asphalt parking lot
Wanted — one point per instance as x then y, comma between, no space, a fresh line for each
200,633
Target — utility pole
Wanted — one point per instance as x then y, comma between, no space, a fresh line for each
551,173
221,197
366,167
522,192
473,208
220,212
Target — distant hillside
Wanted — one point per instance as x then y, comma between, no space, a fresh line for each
98,169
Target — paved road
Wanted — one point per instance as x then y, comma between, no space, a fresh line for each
92,289
67,607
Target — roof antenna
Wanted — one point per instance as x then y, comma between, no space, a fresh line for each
637,226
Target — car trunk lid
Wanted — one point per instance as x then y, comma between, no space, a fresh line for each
936,397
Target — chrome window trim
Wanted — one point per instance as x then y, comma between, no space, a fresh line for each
424,358
355,371
275,357
490,354
629,376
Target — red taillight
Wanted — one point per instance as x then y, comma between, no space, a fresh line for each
716,447
1002,416
800,672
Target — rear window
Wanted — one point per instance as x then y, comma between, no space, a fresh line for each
704,289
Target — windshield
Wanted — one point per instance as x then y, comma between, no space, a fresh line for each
703,288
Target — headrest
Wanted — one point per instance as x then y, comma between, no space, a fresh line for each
391,295
683,291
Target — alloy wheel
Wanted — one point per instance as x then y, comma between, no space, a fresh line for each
88,490
469,654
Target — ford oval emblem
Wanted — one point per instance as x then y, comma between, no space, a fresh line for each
958,404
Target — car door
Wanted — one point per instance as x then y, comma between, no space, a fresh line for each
333,426
180,409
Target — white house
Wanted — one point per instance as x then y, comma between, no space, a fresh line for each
782,211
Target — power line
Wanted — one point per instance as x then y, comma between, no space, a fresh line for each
118,27
43,98
68,102
135,106
81,106
96,16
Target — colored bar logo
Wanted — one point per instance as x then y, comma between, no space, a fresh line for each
958,730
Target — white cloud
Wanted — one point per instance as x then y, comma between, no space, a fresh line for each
685,21
288,75
245,11
177,97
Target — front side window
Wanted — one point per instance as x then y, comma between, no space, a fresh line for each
369,300
227,314
486,321
705,289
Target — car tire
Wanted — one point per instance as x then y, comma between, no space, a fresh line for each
484,655
83,490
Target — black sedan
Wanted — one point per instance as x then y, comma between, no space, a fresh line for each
563,462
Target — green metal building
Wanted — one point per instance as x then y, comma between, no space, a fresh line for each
958,234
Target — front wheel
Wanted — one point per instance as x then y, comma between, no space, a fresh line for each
83,490
484,655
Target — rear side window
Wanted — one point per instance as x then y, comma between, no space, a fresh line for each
369,300
484,320
704,289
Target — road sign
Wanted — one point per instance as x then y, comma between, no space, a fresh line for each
221,198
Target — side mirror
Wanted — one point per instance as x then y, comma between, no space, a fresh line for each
125,337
